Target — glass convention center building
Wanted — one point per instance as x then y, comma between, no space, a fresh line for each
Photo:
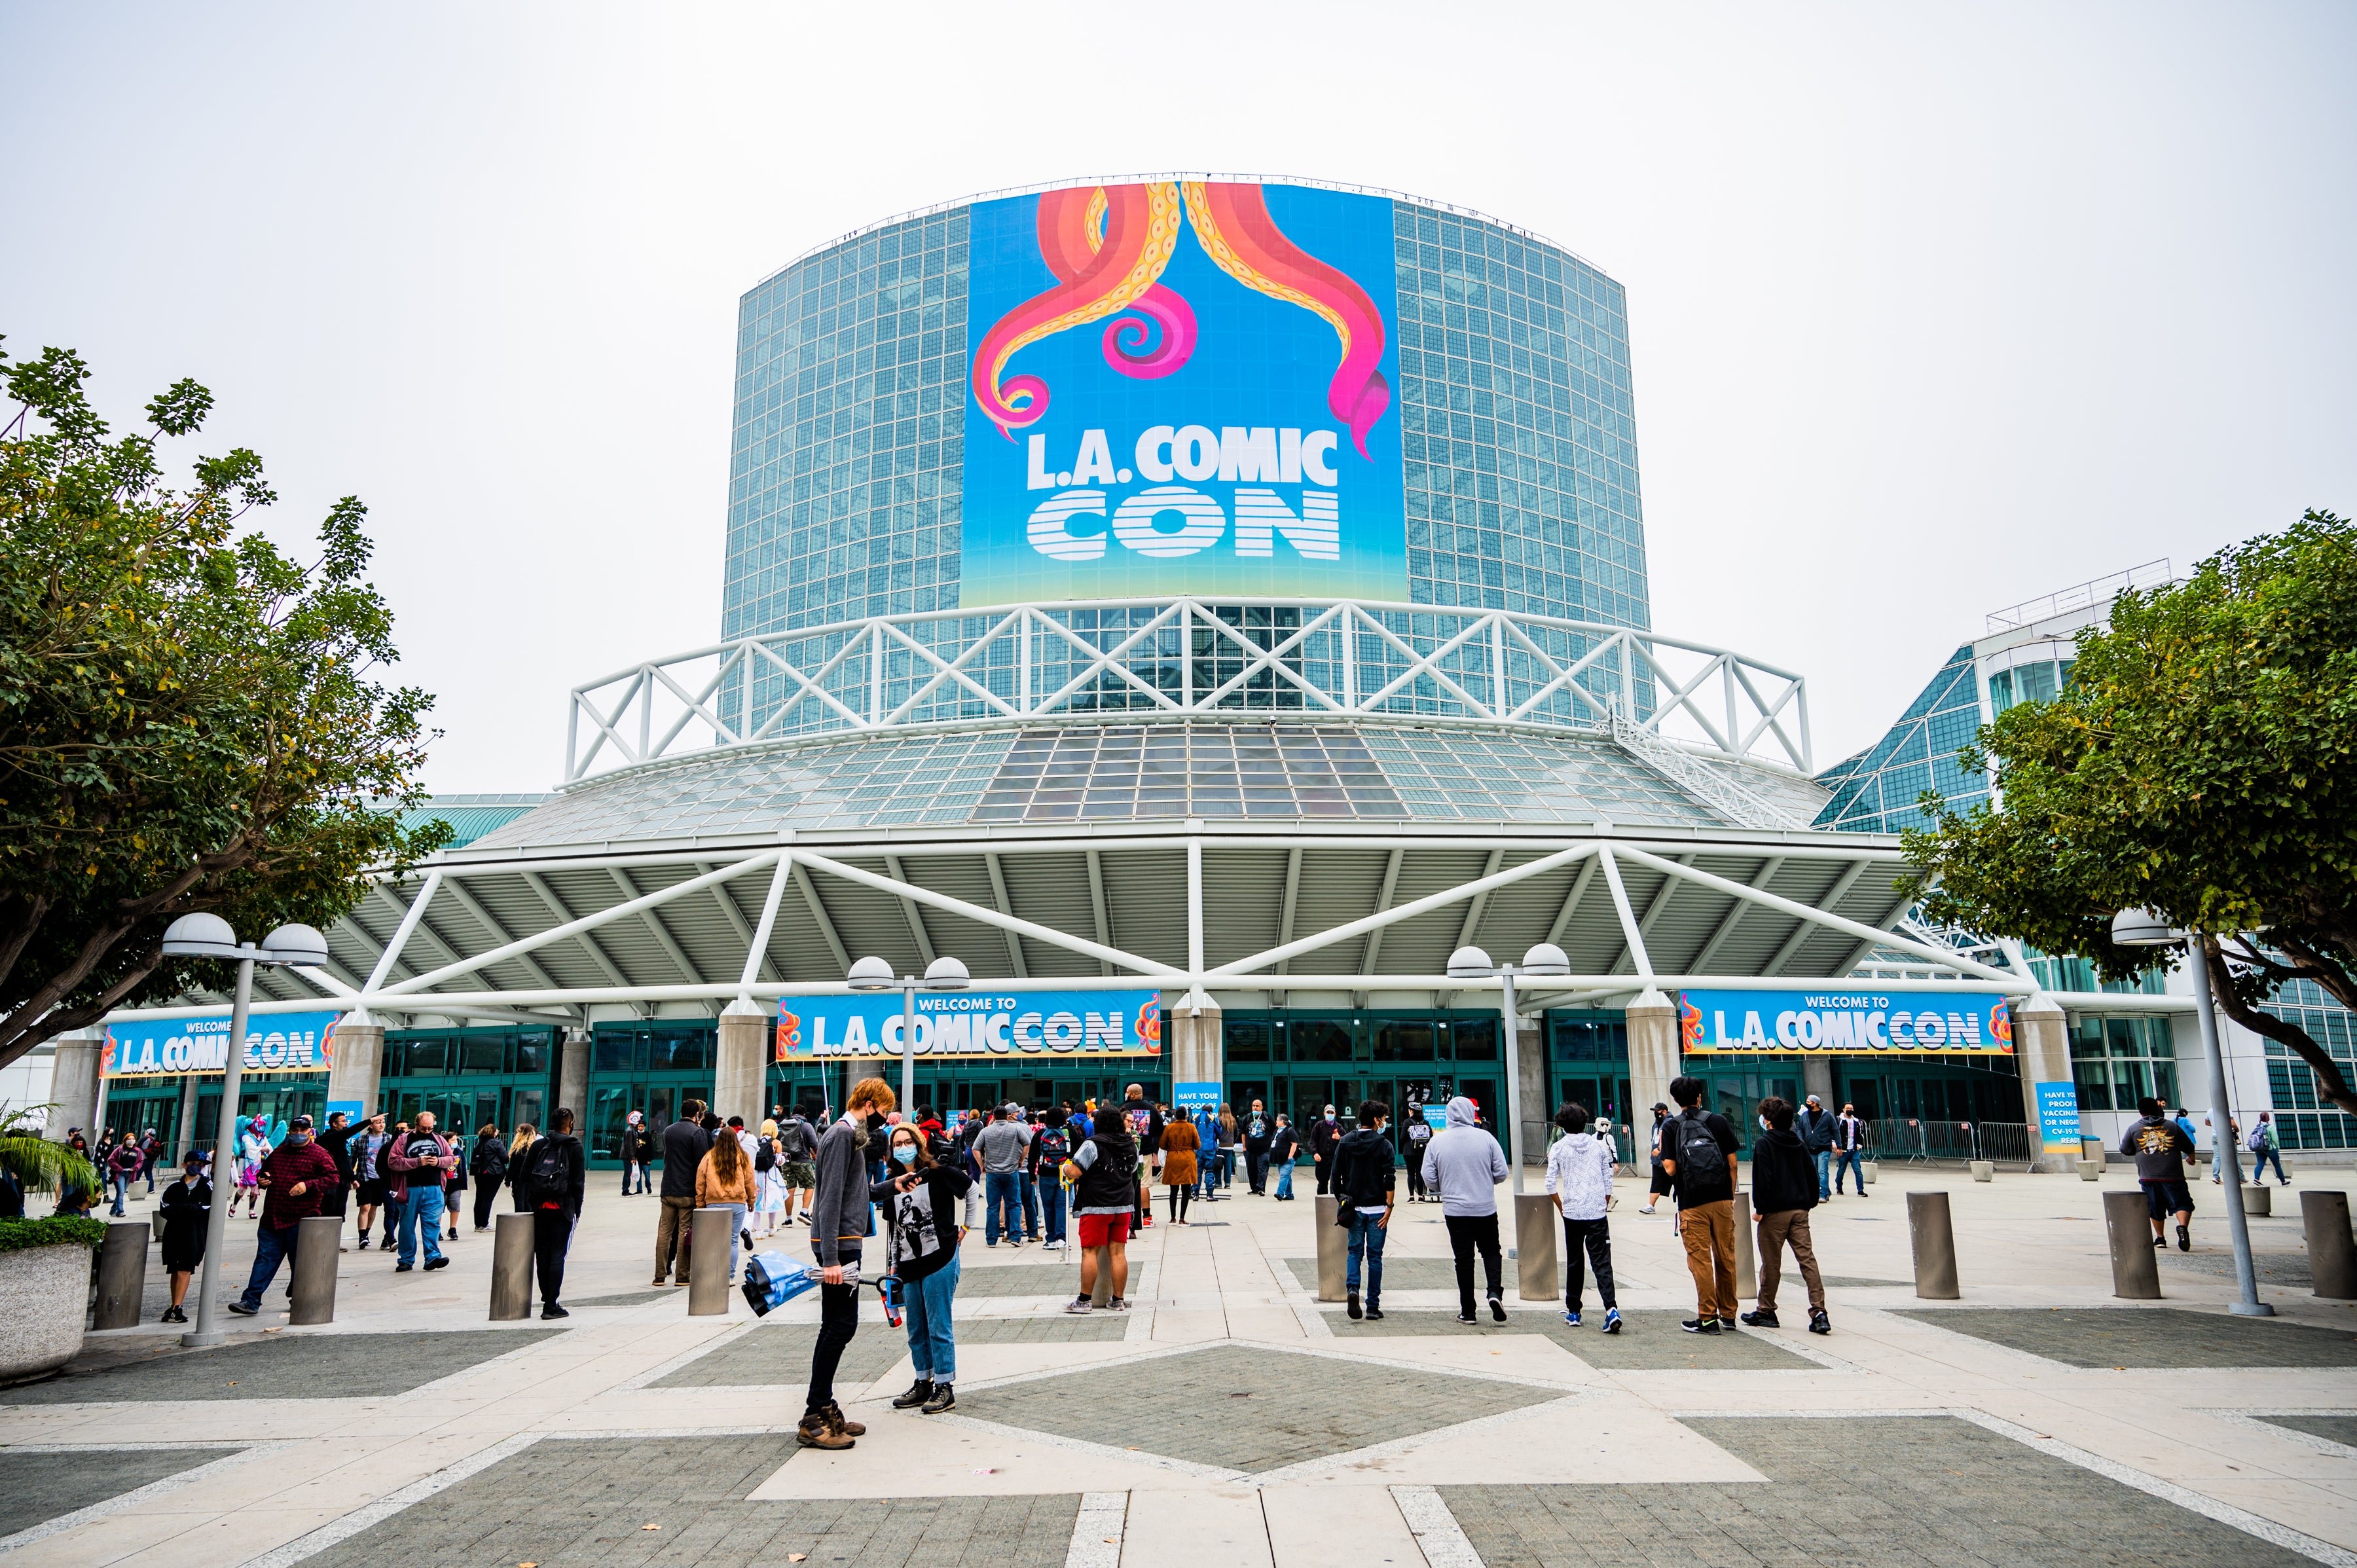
1195,609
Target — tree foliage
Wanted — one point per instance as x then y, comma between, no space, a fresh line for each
2203,761
189,719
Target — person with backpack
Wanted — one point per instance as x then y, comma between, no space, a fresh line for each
1363,1181
841,1221
1463,1160
1207,1158
2264,1146
417,1161
1325,1137
1181,1156
1580,1171
725,1180
769,1179
1103,1173
1660,1187
554,1177
1698,1153
1420,1138
1000,1147
367,1145
489,1163
634,1153
1783,1189
454,1183
1052,1147
920,1203
1849,1147
519,1199
796,1141
684,1144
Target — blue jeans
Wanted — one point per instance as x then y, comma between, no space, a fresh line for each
1051,1199
1367,1235
122,1186
1002,1194
1031,1206
421,1210
1825,1158
932,1337
1847,1160
1285,1180
2260,1168
736,1228
271,1245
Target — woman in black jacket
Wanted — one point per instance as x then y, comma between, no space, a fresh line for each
920,1198
489,1166
186,1206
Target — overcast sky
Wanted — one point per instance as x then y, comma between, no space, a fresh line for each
1932,311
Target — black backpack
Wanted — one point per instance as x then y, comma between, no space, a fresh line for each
546,1177
1700,1159
767,1160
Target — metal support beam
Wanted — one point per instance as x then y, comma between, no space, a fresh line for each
988,917
756,939
1858,954
917,933
1292,901
1374,930
654,922
1006,906
1480,905
1571,901
1660,901
590,944
1633,939
501,935
818,913
1735,913
1097,909
1806,930
1393,916
402,933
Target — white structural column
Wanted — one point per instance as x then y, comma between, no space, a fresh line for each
573,1078
74,1084
1196,1048
740,1082
2041,1048
353,1074
1652,1059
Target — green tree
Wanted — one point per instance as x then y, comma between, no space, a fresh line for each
2203,761
189,719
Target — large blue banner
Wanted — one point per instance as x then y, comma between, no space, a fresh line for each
1182,388
274,1042
1845,1020
967,1023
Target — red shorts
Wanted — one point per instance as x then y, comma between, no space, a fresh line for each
1103,1229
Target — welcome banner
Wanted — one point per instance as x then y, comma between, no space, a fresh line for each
1844,1021
274,1042
967,1025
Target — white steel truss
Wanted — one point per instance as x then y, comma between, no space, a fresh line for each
717,960
1174,659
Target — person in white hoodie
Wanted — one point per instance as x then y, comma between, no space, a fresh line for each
1580,1167
1464,1164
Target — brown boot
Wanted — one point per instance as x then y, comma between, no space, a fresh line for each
820,1430
844,1422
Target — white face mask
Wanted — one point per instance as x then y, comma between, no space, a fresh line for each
1763,1123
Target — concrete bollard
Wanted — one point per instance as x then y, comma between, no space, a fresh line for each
1536,1219
1933,1236
122,1275
2091,1170
2258,1201
2134,1274
1333,1249
512,1269
708,1263
1869,1172
2332,1251
1746,1250
1984,1170
318,1242
156,1219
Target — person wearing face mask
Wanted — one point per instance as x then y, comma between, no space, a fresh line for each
295,1178
920,1198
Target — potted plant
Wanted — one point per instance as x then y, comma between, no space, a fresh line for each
44,1263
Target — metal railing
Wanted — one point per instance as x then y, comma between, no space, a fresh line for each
2080,596
1179,658
1914,1140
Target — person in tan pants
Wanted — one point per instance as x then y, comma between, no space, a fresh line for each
1783,1189
1698,1153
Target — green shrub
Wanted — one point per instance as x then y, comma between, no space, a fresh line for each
57,1230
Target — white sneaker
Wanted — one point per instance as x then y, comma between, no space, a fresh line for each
1647,1209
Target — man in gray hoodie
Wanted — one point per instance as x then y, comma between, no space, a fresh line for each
1463,1163
1000,1147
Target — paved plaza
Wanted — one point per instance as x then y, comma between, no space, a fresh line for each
1231,1418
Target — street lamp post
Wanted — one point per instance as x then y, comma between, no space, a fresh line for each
208,936
945,973
2145,928
1472,963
